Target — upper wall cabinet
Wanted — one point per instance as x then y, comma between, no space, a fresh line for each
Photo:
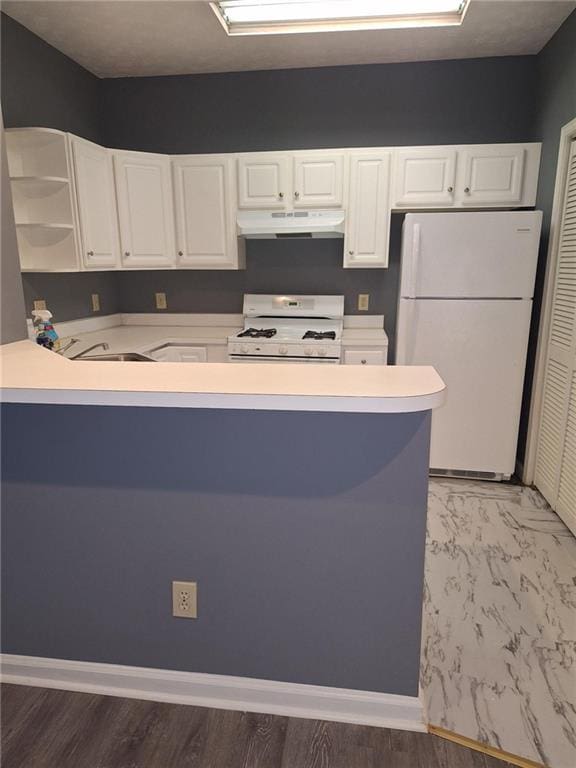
425,177
205,206
264,181
492,175
483,176
368,219
96,198
318,180
79,206
145,213
291,180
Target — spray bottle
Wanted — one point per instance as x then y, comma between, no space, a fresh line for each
46,336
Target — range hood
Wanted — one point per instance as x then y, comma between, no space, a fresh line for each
268,225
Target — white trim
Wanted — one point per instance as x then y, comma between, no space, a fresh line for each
364,321
184,319
226,401
87,325
567,134
384,710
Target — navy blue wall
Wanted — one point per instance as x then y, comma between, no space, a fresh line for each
43,87
304,531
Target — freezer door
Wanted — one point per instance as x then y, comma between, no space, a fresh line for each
479,349
467,255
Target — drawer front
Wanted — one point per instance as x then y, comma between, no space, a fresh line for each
364,357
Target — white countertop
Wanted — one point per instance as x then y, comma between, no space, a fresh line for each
31,374
140,338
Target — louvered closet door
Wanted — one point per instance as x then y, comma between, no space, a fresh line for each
556,456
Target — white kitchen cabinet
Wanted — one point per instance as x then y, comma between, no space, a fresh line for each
425,177
368,219
365,356
96,200
264,180
145,212
318,180
491,175
205,208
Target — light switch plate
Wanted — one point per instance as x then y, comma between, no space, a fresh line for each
184,599
363,301
39,304
161,302
95,302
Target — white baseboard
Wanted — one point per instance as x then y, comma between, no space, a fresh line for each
383,710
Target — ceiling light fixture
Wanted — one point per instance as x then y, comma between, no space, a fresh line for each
274,17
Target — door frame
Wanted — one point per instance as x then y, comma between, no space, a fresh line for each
567,135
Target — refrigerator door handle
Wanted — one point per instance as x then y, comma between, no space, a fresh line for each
414,261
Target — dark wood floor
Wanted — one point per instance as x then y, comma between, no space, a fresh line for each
57,729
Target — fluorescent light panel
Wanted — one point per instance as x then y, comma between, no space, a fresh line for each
253,17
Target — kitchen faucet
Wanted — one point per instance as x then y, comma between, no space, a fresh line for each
102,344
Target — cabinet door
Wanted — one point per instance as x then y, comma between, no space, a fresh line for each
318,180
96,200
493,175
205,206
145,209
263,181
425,177
368,218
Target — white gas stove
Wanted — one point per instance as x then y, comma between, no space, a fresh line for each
289,329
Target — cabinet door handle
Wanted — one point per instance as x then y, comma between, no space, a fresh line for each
180,253
296,195
467,190
126,253
363,362
450,189
90,253
351,253
281,195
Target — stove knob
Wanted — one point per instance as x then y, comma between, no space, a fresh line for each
322,352
283,350
308,351
244,348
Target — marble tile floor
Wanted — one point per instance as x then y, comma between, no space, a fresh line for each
499,630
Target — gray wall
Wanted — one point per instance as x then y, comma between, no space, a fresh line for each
43,87
556,102
304,531
69,297
12,322
444,102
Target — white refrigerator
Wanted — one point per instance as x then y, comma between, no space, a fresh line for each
466,287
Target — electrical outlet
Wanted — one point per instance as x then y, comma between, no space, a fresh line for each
184,599
40,304
95,302
363,301
161,302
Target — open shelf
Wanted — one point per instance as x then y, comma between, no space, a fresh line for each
39,186
43,225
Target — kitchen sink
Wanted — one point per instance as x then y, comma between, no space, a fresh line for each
122,357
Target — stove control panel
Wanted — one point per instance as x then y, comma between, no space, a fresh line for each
272,349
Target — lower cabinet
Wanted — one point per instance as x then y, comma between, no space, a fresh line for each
365,356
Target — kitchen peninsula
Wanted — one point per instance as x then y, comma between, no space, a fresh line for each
295,496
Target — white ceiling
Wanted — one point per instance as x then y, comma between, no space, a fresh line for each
162,37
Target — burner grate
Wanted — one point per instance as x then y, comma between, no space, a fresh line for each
319,335
258,333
